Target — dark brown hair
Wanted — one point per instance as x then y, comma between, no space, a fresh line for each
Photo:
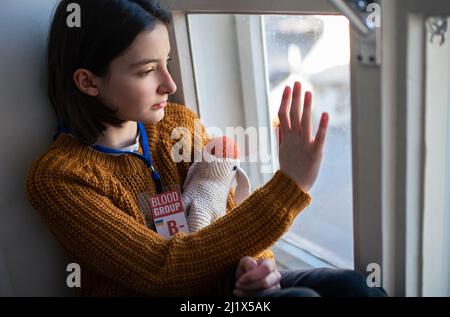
108,27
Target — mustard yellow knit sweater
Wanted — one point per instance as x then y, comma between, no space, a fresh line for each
89,201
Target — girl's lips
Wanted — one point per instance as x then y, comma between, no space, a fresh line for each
160,105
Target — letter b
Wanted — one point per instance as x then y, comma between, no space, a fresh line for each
172,226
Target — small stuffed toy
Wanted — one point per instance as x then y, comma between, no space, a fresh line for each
208,183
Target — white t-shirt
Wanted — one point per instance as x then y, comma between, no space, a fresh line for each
133,147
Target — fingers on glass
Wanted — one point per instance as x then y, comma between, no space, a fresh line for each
322,131
284,110
295,111
306,123
283,116
292,116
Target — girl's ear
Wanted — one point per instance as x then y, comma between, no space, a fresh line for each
86,82
243,186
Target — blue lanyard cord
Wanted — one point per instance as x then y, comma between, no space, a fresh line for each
61,129
146,157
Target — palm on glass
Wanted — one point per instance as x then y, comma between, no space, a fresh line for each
300,153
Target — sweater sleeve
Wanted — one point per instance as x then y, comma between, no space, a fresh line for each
266,254
93,229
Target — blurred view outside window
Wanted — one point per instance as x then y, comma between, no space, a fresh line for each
315,50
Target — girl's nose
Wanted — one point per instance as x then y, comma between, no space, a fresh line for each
167,85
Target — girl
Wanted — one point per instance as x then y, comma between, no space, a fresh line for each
108,84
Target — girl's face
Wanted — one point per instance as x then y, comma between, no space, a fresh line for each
138,79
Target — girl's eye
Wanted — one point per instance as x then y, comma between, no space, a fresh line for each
151,70
148,72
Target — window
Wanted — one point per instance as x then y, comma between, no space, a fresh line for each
399,114
304,48
262,54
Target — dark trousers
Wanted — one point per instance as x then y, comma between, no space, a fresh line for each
324,283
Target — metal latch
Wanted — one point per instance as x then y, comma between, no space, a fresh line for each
365,17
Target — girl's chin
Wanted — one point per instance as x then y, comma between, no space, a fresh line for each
153,116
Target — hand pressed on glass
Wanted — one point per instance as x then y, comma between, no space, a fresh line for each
300,153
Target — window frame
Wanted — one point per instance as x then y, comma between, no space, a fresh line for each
404,84
366,106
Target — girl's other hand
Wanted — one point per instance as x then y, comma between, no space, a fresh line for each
254,276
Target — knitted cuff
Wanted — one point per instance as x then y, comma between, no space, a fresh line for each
284,189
